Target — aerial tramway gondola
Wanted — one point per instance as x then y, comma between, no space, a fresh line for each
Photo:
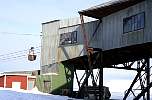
31,55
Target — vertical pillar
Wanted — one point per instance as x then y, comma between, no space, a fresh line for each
85,88
5,81
86,71
101,79
27,83
72,79
101,84
148,76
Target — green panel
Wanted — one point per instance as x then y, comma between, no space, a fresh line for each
60,79
40,83
57,81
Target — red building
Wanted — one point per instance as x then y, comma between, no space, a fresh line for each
17,81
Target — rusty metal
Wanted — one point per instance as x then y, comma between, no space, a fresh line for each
85,36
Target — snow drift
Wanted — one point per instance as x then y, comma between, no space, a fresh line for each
10,94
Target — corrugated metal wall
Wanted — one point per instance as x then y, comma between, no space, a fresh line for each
109,35
112,33
49,45
52,52
148,19
74,50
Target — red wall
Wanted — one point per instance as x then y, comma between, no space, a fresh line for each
16,78
2,81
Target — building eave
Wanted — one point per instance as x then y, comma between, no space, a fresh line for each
15,74
108,8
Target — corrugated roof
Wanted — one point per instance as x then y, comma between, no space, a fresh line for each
108,8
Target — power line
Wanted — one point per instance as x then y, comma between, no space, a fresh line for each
24,58
36,52
16,52
14,60
15,57
12,57
27,34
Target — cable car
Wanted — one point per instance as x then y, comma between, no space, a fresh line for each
31,55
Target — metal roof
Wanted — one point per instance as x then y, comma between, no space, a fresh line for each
108,8
29,75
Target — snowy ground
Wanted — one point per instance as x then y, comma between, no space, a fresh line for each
10,94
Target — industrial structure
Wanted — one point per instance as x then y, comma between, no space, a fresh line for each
120,35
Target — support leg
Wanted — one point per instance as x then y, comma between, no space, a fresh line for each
101,84
148,76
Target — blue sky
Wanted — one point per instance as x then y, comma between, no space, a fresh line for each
26,16
21,17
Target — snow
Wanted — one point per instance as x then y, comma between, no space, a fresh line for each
11,94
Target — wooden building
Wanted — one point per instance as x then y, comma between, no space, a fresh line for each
17,81
121,29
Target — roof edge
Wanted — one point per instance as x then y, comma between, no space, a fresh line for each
108,8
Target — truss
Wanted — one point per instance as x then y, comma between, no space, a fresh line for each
140,86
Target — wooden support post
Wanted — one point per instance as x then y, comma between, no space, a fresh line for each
72,80
86,71
101,80
101,84
148,76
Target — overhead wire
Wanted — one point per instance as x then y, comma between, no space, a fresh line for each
17,54
13,33
15,57
23,59
17,60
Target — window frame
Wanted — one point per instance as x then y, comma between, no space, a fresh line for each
47,84
135,23
72,36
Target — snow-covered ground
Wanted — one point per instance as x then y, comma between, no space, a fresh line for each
11,94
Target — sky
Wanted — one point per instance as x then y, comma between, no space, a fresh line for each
20,29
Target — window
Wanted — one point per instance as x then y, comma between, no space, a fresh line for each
68,38
47,85
31,84
134,23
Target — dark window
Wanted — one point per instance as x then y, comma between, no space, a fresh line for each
68,38
47,85
134,23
